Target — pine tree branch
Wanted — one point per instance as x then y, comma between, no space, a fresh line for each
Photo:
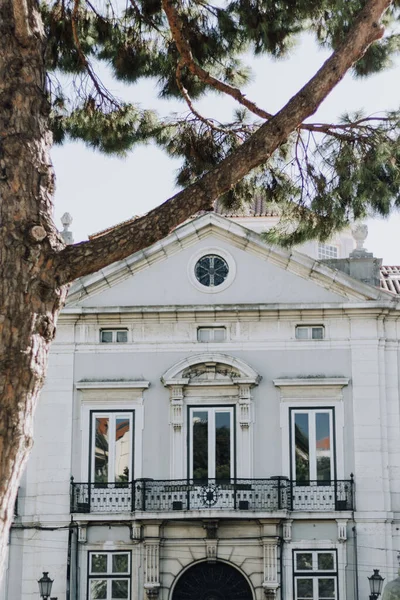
183,47
208,122
88,257
99,87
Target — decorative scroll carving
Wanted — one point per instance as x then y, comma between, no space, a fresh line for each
211,550
270,582
287,530
152,564
341,530
82,533
211,371
135,531
176,396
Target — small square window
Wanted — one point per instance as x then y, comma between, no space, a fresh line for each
110,336
309,332
211,334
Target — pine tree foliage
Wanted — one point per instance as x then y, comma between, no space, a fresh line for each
325,176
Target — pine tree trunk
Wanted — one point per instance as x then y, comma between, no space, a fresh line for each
29,297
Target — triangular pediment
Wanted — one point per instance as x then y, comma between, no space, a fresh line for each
265,274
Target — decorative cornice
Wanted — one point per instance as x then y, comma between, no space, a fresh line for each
112,385
312,381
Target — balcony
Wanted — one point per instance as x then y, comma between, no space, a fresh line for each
241,495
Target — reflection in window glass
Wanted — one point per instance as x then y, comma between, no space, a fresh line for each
122,448
99,563
326,561
304,588
323,446
101,450
120,563
119,589
222,445
302,447
98,589
200,444
304,561
326,588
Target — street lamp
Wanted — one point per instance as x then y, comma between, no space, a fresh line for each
45,584
375,584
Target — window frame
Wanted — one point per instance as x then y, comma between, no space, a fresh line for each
213,408
309,328
292,445
91,457
211,328
114,331
315,574
109,576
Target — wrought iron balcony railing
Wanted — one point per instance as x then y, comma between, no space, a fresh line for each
259,495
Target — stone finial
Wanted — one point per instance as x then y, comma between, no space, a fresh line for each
67,235
360,234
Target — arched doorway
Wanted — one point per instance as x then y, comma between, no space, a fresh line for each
212,581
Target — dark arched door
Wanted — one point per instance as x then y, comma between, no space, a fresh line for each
212,581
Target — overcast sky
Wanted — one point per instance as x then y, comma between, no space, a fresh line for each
101,191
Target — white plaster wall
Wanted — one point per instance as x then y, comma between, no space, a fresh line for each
167,283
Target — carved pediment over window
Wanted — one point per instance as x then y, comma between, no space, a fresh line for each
211,372
210,369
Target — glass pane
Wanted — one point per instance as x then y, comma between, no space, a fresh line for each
120,563
203,334
99,563
119,589
122,448
122,336
302,447
219,335
220,270
326,561
317,333
200,444
222,445
323,449
106,337
302,333
326,588
304,561
98,589
304,588
101,450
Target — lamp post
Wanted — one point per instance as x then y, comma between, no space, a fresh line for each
375,584
45,584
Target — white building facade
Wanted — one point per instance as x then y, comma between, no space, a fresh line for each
229,414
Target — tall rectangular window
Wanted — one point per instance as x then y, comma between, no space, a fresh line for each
111,446
109,576
312,445
315,575
211,443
